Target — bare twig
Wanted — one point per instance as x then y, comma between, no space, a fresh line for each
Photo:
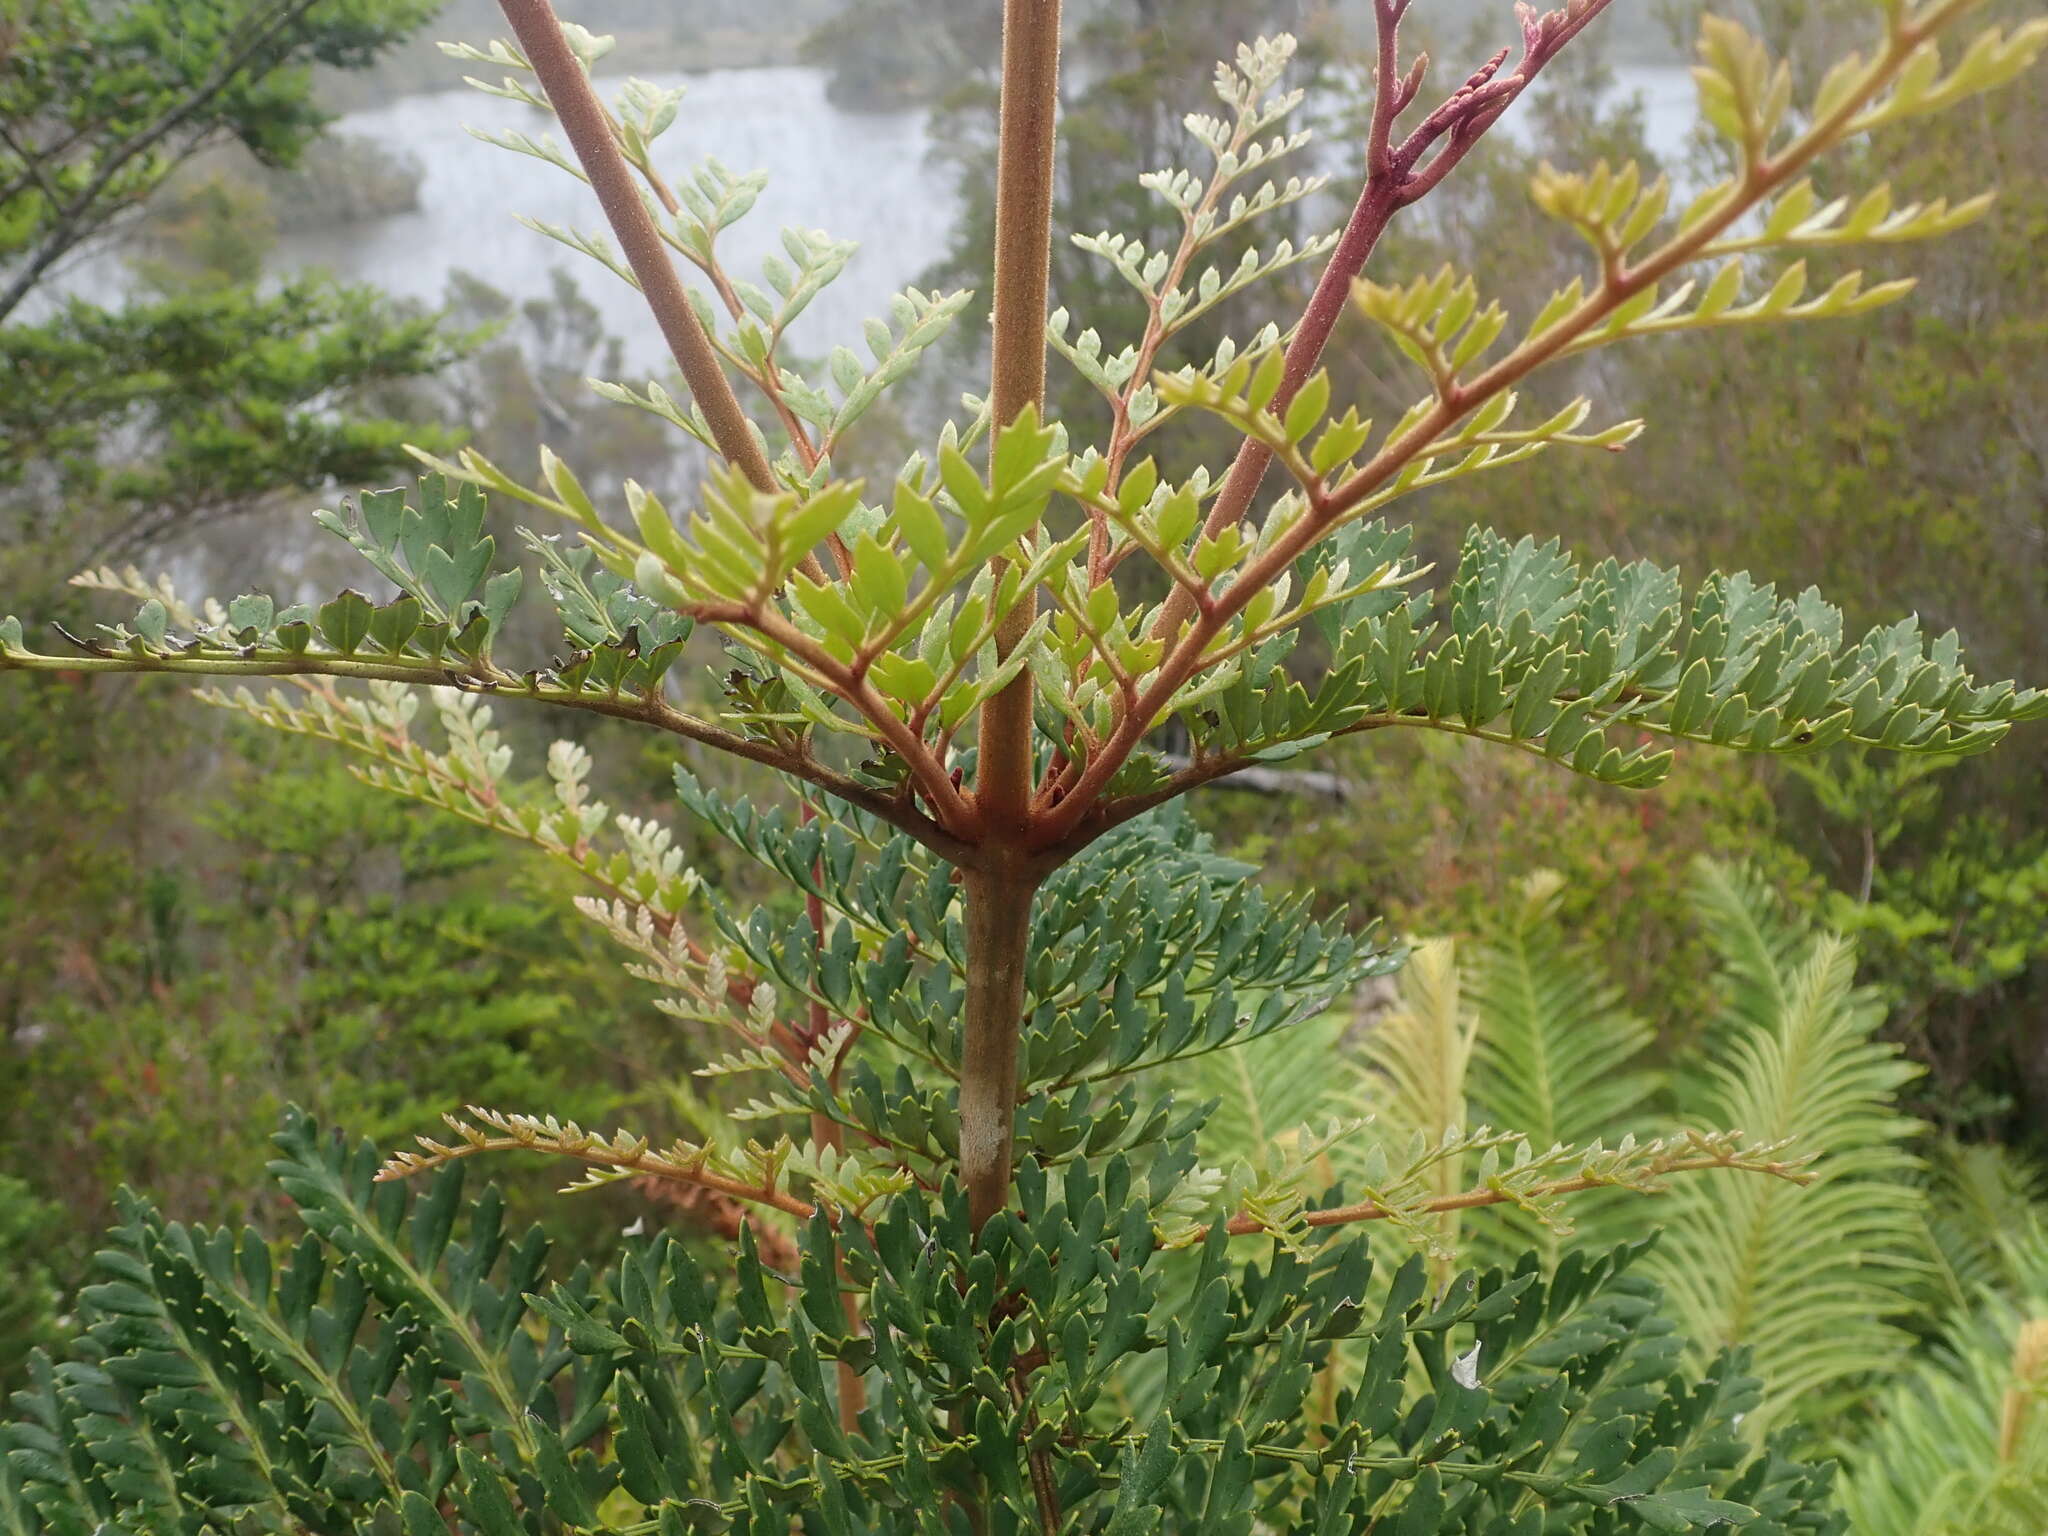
1795,1172
589,129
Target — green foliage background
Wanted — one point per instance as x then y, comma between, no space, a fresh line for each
302,937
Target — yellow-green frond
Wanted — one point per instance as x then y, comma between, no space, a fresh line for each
1960,1446
1557,1057
1809,1279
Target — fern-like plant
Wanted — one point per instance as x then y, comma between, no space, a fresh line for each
1961,1441
949,1050
1821,1281
1814,1286
1557,1058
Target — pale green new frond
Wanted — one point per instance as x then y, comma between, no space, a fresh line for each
745,322
584,243
1269,1088
1959,1445
1986,1203
1556,1057
1417,1056
1809,1279
752,1172
633,859
1182,280
1757,944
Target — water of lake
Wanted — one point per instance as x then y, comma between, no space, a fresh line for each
857,175
860,175
867,176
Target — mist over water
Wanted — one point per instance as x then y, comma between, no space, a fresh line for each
860,175
1669,100
856,175
865,176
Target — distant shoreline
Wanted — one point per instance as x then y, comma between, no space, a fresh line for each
421,66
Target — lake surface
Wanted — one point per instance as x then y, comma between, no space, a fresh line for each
865,176
1669,99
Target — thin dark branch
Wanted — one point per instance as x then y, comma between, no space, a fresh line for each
71,222
32,169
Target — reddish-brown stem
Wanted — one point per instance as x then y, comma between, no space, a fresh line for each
1045,1487
1024,188
588,127
1375,208
952,811
765,378
662,191
998,903
999,891
1023,258
999,887
1471,1199
1391,91
1391,184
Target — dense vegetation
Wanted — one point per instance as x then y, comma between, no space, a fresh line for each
208,922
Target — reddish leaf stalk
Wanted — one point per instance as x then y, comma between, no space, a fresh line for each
1391,184
1621,282
1474,1199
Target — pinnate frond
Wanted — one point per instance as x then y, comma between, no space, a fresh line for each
1579,666
470,778
1958,1444
1814,1281
1987,1208
1401,1184
753,1173
1555,1055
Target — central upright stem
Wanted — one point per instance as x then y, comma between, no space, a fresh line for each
1024,188
999,887
998,951
1023,261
